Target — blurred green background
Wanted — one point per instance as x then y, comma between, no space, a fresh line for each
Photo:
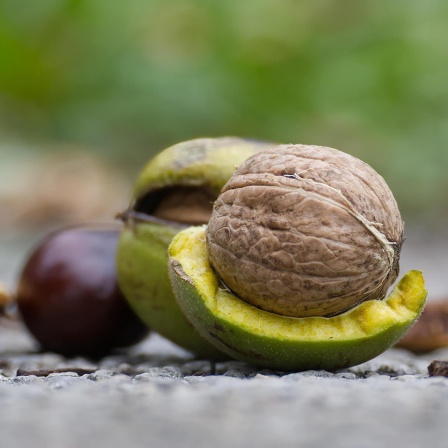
126,79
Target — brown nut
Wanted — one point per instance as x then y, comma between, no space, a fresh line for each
305,231
430,332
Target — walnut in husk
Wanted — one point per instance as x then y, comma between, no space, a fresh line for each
175,189
301,237
305,231
280,342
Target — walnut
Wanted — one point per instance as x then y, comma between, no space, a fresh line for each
303,230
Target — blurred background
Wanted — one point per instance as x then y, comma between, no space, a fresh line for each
90,89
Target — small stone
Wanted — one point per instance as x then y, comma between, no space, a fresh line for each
120,378
268,372
164,372
197,368
370,374
309,373
100,375
143,377
260,376
61,380
405,378
63,374
31,379
438,368
222,367
346,375
377,378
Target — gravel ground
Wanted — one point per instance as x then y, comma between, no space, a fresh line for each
157,395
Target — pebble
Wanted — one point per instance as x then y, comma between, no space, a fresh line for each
197,368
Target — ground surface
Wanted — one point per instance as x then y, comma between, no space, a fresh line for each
157,395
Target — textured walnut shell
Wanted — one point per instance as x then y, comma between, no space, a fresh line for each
305,231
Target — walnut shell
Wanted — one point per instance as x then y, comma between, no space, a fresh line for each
304,230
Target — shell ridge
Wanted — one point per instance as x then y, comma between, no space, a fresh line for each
370,226
302,275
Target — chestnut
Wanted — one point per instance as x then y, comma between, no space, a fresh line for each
68,296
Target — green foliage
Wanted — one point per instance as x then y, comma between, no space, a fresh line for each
365,77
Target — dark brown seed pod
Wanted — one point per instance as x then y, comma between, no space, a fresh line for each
430,332
68,294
